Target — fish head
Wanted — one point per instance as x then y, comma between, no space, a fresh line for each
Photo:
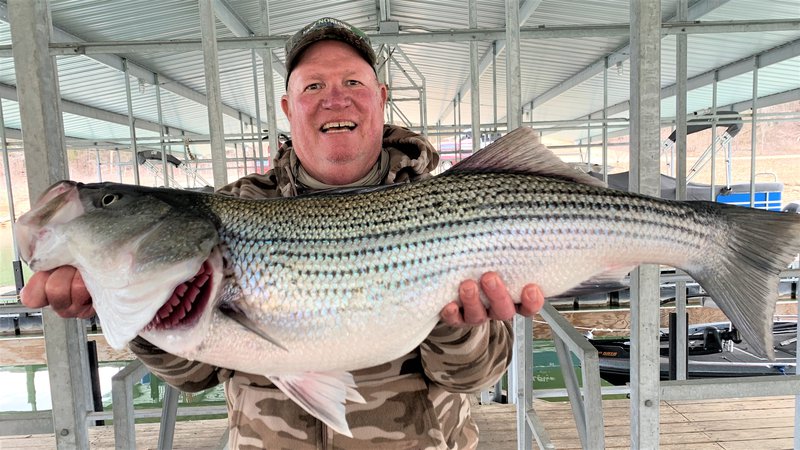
144,254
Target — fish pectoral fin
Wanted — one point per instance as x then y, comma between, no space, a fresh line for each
608,281
241,318
322,394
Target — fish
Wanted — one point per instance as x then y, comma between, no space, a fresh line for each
305,290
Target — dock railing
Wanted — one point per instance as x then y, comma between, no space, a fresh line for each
584,397
586,400
125,415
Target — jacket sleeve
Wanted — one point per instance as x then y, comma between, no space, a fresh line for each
467,359
186,375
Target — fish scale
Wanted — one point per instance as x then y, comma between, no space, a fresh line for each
306,289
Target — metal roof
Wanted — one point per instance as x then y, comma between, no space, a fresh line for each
559,75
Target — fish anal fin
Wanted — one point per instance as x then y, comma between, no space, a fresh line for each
322,394
237,316
608,281
521,151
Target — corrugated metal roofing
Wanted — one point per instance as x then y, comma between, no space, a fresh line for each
545,63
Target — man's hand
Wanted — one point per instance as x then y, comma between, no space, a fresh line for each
501,306
62,289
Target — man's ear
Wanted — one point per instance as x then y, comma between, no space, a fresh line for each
285,106
384,94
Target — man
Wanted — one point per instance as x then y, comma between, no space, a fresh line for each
335,106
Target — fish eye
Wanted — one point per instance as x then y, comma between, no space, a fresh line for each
109,199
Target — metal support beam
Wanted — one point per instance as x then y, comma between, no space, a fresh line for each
131,124
797,391
384,10
46,163
792,95
79,47
681,106
522,389
169,414
605,121
269,92
164,165
494,86
513,71
19,280
474,76
740,387
208,31
753,134
122,399
258,166
645,178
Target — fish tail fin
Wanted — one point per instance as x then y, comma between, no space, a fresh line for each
742,267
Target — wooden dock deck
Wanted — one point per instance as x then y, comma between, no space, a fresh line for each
764,423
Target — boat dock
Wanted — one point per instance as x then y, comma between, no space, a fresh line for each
765,423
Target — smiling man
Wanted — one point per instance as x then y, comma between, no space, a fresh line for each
335,105
335,108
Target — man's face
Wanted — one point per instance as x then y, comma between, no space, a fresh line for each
334,104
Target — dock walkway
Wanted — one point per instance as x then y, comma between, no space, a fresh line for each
733,424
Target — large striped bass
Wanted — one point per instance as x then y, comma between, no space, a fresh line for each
304,290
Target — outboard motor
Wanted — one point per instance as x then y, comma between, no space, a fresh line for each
712,342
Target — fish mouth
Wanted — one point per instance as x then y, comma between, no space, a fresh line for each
187,302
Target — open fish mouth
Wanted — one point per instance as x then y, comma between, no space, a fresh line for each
187,302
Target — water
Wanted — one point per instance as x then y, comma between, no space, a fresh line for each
7,255
27,388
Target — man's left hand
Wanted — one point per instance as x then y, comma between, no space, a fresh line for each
470,311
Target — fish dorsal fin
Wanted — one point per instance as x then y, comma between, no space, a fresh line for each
521,151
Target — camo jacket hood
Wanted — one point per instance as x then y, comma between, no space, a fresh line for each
411,157
418,401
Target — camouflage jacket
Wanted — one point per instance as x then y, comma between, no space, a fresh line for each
419,401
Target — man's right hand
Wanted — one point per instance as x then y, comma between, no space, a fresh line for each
62,289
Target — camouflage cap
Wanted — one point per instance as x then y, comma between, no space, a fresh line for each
327,28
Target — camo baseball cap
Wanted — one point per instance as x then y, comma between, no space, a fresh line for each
323,29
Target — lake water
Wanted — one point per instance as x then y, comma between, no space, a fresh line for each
6,257
27,388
